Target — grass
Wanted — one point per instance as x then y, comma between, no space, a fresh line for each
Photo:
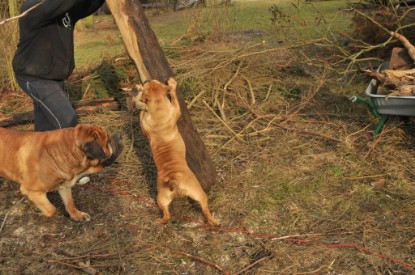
249,15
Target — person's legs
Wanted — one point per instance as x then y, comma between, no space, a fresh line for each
52,108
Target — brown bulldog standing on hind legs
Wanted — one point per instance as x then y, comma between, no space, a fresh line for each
55,160
160,111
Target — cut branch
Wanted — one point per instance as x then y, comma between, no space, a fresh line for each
81,108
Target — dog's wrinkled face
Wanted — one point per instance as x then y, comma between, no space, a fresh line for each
93,141
155,95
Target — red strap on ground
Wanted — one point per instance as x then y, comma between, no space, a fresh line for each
259,235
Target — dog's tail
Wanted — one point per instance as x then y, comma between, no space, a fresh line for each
172,184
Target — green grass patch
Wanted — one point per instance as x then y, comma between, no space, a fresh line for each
300,21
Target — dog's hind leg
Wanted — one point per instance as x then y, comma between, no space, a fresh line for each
202,198
66,195
41,201
163,201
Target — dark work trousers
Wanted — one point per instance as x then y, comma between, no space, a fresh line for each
52,108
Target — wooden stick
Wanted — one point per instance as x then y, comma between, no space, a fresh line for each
253,264
204,261
251,90
7,214
81,108
21,15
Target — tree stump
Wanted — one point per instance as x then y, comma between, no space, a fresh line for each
144,49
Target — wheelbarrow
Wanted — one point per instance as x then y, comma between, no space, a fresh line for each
383,106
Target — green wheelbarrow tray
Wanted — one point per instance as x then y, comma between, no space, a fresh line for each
382,106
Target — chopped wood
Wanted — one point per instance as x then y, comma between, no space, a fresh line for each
399,79
404,90
400,59
81,108
393,78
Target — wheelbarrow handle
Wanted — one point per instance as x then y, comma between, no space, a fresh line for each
367,102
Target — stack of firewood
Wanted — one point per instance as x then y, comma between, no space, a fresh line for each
397,82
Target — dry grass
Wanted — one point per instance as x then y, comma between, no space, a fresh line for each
303,186
10,35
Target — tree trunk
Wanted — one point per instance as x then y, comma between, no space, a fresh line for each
144,49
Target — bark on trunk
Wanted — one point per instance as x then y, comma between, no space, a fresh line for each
144,49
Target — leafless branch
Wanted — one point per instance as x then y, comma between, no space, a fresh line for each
22,14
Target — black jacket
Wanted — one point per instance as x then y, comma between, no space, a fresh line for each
46,47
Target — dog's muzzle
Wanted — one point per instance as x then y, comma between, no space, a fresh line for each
116,144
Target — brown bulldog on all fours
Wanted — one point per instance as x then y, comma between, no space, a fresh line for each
55,160
160,111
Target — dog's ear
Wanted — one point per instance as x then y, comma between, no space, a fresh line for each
171,89
91,139
93,150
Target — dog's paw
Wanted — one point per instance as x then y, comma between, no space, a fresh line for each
213,222
81,217
50,212
162,221
172,83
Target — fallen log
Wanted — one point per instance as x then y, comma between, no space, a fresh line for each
145,51
81,108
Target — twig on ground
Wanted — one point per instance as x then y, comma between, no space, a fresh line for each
251,91
66,264
306,100
317,271
310,133
87,268
253,264
268,93
83,257
377,140
221,111
366,177
242,56
193,101
225,87
7,214
224,123
204,261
